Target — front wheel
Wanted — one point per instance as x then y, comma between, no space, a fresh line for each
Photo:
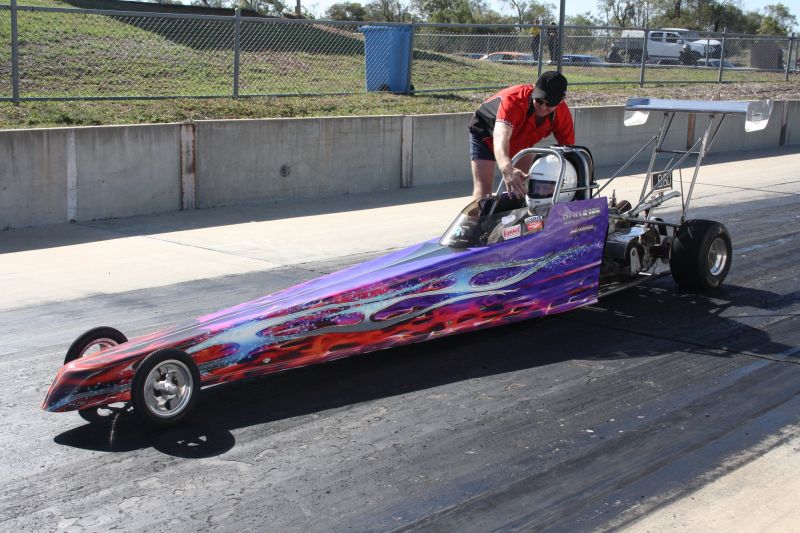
701,254
93,341
89,343
165,387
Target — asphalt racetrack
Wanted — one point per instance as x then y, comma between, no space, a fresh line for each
585,421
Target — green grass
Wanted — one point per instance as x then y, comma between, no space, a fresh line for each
83,55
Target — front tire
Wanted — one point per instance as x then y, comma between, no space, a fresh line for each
89,343
701,255
93,341
165,387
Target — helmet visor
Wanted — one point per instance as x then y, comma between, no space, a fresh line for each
540,189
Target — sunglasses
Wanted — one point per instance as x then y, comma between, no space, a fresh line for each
542,101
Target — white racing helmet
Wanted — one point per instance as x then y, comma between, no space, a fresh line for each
543,177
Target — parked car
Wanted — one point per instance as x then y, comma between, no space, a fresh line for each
509,57
665,43
714,63
468,55
664,62
579,59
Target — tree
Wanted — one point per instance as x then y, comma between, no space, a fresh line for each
714,15
483,14
750,22
778,20
388,11
264,7
208,3
619,12
527,12
445,11
346,11
583,19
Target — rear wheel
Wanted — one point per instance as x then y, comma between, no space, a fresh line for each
701,254
89,343
165,387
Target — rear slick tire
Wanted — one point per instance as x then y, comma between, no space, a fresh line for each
701,255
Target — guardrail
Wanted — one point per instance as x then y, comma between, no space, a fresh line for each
49,53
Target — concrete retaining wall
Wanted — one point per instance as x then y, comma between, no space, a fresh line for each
441,150
33,177
126,170
792,137
53,175
241,161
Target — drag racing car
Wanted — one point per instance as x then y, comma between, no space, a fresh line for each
503,259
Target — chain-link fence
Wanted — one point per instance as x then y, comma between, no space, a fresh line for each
85,53
5,55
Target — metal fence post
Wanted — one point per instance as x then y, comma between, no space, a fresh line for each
721,53
412,29
237,23
788,58
541,49
560,36
14,55
644,55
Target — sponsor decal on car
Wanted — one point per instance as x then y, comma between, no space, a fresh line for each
581,229
508,219
512,233
534,223
583,213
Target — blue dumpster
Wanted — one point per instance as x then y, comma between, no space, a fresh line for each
387,58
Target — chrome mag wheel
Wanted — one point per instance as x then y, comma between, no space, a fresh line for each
168,388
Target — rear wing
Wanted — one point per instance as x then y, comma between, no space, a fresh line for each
756,113
637,111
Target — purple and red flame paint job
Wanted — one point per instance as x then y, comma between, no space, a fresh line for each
424,291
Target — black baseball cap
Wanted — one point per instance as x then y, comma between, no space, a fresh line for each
551,87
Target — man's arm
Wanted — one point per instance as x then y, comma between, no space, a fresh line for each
515,178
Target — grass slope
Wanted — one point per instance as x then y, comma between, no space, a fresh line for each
85,55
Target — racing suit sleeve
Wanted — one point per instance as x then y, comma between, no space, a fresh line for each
563,127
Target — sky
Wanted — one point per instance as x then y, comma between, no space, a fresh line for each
572,7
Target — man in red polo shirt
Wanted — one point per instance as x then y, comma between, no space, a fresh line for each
513,119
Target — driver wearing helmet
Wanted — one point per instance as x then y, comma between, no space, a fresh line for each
543,179
541,186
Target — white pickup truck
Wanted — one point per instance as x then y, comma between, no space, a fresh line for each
665,43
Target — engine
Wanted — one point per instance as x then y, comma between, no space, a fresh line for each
630,250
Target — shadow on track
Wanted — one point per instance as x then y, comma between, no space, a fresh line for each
643,322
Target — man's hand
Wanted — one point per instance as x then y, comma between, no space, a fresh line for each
514,178
516,181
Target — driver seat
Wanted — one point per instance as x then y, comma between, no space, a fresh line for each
581,159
